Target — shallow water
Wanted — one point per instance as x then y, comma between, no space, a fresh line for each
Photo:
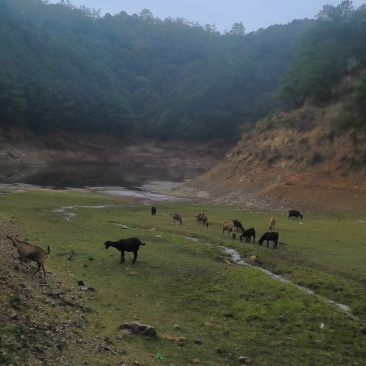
96,175
143,183
141,194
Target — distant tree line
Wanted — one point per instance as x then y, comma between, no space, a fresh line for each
331,49
69,68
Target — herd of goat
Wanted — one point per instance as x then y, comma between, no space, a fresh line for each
36,254
234,226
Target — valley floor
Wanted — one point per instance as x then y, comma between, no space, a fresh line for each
243,175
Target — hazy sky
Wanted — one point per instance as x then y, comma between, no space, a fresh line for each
223,13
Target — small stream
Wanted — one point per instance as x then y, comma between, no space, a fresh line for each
237,259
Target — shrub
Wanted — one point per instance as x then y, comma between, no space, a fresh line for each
15,302
353,111
4,359
316,158
264,124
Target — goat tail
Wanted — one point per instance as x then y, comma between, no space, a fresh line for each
143,243
48,250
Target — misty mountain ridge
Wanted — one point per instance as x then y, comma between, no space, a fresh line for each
69,69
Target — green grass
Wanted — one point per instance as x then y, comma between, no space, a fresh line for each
4,359
186,288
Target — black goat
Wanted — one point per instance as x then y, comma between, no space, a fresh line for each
238,225
125,245
153,210
269,236
295,214
248,234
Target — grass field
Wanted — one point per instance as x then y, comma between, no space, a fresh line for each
186,287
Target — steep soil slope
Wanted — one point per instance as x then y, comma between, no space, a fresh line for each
293,160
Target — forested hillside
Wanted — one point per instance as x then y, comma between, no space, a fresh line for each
137,75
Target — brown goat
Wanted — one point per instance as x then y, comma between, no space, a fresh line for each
227,226
32,253
272,223
177,218
201,217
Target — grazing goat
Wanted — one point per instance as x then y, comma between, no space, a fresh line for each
238,225
272,223
227,226
125,245
201,218
294,214
32,253
248,234
153,210
177,218
269,236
